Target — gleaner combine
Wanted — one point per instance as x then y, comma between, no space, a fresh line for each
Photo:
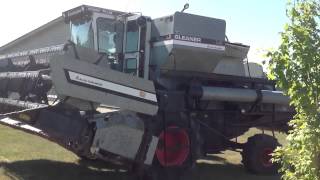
181,89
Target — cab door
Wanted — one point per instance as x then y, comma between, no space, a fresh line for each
136,46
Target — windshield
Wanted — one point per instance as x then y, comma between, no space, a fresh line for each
107,36
82,33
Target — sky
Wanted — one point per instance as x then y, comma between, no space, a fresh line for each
253,22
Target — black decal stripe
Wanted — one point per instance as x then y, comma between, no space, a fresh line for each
203,40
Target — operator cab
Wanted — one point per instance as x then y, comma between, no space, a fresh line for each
122,37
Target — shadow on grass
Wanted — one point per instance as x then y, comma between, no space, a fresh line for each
225,172
55,170
86,170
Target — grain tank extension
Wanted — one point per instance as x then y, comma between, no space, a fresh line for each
184,42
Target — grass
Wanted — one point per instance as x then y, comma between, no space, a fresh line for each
28,157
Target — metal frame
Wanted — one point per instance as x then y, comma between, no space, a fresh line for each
147,50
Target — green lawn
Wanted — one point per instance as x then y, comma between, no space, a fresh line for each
27,157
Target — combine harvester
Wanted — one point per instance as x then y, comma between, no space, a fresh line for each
181,88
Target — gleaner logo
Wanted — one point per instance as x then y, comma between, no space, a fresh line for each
187,38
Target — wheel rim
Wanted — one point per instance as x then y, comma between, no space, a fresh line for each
173,147
266,157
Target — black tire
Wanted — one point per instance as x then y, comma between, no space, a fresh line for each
255,154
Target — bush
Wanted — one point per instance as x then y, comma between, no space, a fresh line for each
296,67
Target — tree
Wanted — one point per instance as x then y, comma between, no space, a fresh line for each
296,67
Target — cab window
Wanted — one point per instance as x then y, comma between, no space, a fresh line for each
108,36
82,33
132,35
131,66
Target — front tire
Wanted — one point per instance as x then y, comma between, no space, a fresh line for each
178,161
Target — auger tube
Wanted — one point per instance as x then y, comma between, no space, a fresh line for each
243,95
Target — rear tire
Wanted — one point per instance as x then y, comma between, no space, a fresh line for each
256,155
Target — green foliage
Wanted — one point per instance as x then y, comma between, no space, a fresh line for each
296,67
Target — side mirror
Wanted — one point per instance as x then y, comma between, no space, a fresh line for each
186,6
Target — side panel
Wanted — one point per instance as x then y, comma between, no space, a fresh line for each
89,82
